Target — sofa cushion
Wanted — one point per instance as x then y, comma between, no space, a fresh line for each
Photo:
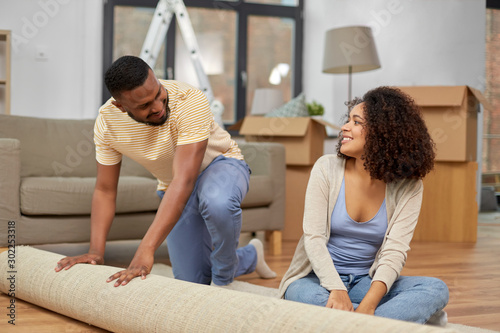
260,193
73,195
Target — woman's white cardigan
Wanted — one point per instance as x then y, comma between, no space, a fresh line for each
403,202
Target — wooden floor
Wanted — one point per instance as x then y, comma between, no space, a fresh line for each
471,271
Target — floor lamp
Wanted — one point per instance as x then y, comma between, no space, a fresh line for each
350,50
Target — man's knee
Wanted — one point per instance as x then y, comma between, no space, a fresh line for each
221,206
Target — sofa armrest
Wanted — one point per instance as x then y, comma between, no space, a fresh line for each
10,179
268,158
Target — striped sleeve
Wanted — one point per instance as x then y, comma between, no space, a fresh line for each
195,119
104,154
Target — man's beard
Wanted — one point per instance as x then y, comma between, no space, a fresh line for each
162,121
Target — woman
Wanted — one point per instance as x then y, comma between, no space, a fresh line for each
361,209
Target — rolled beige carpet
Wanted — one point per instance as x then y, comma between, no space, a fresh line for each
160,304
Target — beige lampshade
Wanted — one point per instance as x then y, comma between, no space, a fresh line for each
265,100
350,46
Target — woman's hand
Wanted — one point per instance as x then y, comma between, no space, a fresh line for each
339,299
140,266
365,309
372,298
88,258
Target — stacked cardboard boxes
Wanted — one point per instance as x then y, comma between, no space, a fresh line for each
449,208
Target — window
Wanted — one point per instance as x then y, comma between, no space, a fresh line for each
130,26
215,31
264,72
242,46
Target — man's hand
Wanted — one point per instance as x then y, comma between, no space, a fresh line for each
140,266
88,258
339,299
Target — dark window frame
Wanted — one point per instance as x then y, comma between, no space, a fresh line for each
243,11
493,4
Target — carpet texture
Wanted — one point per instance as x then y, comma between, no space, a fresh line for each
164,270
161,304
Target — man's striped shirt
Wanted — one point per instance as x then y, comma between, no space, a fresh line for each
190,121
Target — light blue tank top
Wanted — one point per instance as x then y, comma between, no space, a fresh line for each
353,245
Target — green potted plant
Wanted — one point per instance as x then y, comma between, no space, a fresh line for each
315,109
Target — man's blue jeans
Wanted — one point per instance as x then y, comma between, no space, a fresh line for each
411,298
203,244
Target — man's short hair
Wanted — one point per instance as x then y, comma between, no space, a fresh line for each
126,73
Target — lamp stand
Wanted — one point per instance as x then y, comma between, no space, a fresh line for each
350,84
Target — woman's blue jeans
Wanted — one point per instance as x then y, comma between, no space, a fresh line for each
203,245
411,298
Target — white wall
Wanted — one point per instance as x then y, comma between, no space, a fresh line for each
67,83
419,42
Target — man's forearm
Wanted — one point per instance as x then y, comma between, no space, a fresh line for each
169,212
185,171
103,212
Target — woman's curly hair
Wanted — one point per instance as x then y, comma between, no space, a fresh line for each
398,145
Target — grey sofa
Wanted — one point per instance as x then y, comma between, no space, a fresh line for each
47,177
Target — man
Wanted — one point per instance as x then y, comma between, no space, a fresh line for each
167,126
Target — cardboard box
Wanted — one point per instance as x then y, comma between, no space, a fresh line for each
449,208
303,137
297,178
450,113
